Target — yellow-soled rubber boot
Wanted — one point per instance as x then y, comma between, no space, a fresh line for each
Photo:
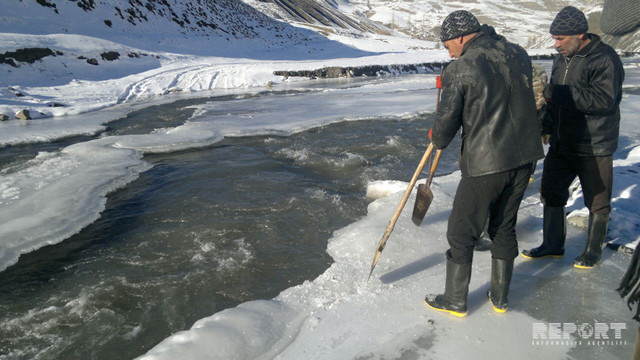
439,303
501,271
456,288
595,237
554,232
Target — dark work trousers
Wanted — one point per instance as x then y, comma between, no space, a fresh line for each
496,197
595,174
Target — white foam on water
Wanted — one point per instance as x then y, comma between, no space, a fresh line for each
298,155
217,252
348,160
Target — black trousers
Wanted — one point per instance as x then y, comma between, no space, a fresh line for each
496,197
595,174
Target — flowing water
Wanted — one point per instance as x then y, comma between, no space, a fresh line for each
201,231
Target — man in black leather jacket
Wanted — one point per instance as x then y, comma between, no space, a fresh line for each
582,124
488,93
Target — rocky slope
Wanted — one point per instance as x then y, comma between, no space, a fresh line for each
167,23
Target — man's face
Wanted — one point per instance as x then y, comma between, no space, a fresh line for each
454,46
567,45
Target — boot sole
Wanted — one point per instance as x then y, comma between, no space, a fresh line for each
495,308
543,256
499,310
584,267
452,312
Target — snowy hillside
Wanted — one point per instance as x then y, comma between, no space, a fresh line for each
523,21
96,40
189,27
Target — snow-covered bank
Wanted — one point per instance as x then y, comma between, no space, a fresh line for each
177,74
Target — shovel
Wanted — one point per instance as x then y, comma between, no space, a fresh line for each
424,195
403,201
412,183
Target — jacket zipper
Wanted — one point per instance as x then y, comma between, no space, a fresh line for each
567,65
566,69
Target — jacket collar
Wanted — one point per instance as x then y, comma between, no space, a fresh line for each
471,42
594,43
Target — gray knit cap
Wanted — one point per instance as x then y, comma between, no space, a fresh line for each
458,23
569,21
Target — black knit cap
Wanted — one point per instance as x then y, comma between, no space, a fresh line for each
458,23
569,21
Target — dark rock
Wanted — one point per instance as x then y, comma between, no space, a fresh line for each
86,5
23,115
335,72
46,3
368,70
110,55
29,55
4,117
108,23
81,57
202,23
133,55
92,61
8,61
178,21
18,94
55,104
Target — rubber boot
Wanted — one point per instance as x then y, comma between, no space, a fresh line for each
595,237
554,232
454,299
501,271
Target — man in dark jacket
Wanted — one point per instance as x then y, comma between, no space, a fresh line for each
582,124
488,93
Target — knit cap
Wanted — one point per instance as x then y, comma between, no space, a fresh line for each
458,23
569,21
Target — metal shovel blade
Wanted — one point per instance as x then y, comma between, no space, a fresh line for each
424,197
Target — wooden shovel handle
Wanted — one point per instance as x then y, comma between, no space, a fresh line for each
406,195
403,202
434,166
